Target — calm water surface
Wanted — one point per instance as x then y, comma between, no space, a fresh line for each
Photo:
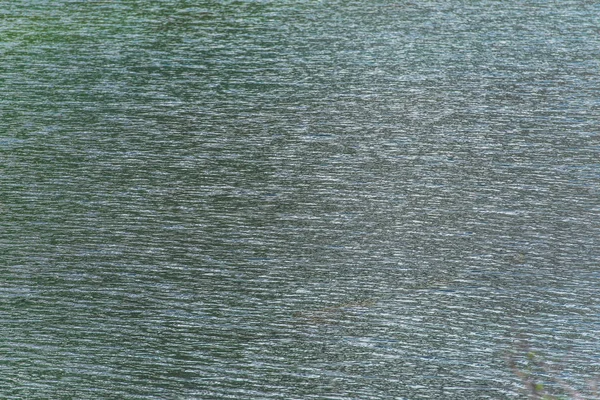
297,199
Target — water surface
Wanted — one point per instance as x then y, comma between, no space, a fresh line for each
296,200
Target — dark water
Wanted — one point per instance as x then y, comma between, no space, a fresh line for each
297,199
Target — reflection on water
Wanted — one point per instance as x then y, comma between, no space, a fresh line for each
296,199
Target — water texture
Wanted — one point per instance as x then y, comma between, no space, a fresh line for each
296,199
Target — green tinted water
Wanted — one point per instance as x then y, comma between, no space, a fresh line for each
312,199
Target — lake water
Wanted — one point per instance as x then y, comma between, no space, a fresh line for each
297,199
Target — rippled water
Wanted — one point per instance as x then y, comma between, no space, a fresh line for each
297,199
